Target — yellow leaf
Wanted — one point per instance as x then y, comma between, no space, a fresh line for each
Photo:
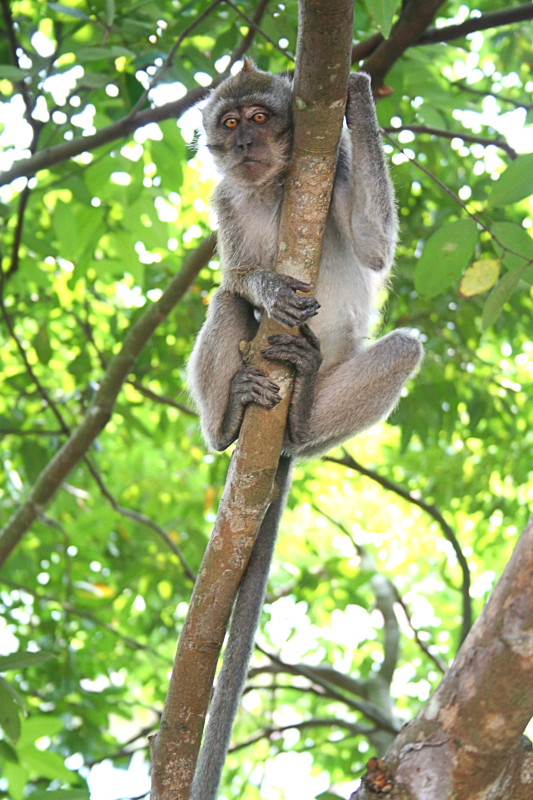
480,277
103,590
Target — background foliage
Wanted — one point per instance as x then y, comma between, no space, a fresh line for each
93,598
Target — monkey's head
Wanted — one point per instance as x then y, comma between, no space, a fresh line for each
248,123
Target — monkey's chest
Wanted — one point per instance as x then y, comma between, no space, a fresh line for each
257,238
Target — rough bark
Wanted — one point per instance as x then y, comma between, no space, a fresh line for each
320,89
467,743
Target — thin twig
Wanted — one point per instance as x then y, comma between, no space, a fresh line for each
466,137
348,461
80,612
169,61
441,666
253,24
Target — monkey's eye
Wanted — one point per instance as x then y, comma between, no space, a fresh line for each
260,117
231,122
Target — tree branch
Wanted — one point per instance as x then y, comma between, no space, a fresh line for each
101,408
326,722
110,133
80,612
348,461
324,46
315,674
466,137
414,19
495,19
254,26
467,741
249,37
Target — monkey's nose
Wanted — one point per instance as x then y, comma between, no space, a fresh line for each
244,142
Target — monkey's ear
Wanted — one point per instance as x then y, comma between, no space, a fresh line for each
248,65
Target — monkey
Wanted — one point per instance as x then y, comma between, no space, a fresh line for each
343,383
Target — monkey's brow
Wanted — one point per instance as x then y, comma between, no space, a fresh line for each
239,108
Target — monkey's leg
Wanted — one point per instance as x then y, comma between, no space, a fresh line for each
248,385
360,391
303,354
241,637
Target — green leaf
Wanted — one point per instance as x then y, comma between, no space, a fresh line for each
446,255
21,660
17,778
11,73
499,295
42,725
9,712
383,12
519,246
8,752
85,54
515,183
82,793
45,763
169,154
35,458
41,343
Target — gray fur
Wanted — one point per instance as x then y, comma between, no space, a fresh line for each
342,384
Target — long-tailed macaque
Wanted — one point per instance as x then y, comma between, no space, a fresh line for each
343,383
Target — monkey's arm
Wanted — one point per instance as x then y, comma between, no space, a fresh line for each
273,293
216,377
374,222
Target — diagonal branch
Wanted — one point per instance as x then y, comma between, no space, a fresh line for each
467,741
348,461
324,45
495,19
101,408
466,137
415,17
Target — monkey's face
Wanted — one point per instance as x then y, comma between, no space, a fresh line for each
251,143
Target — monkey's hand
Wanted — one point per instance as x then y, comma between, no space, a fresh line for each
303,354
281,301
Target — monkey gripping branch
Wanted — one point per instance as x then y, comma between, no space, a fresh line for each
324,46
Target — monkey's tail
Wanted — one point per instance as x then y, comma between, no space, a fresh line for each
244,622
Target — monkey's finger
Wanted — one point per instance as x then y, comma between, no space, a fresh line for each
292,319
286,341
300,302
266,385
255,372
290,355
288,338
298,286
267,401
313,340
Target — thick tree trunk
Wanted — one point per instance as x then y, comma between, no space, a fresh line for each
467,743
